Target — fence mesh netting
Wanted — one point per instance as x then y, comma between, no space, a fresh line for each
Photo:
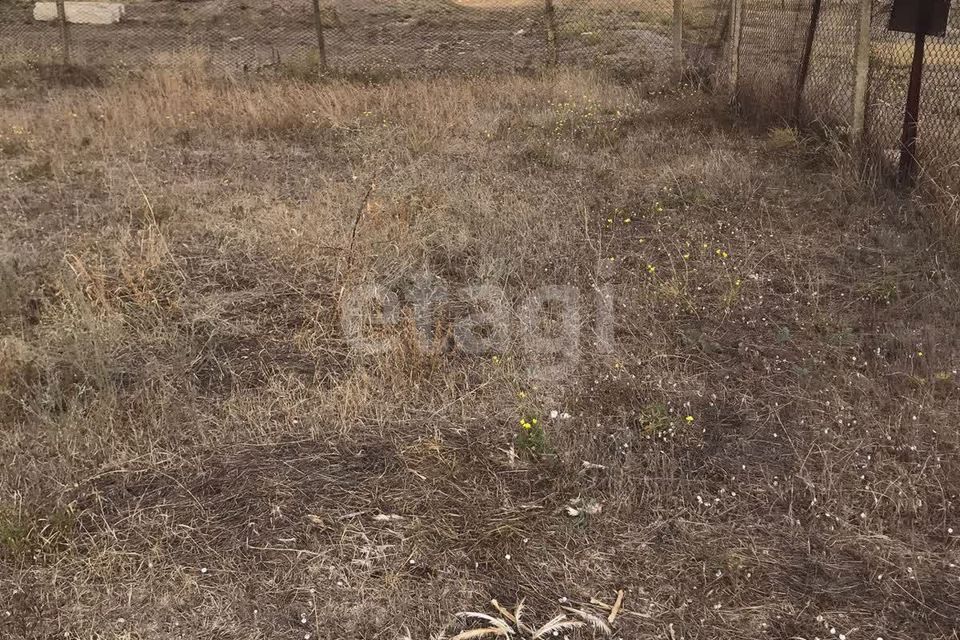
774,38
636,38
362,35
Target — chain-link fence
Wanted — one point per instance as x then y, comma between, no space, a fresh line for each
828,61
799,59
939,125
367,35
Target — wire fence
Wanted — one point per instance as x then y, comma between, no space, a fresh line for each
776,38
832,62
368,35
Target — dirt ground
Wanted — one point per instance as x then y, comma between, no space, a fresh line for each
742,413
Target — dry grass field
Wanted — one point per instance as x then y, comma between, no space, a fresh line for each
721,375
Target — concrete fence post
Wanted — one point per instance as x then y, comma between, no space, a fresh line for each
736,30
321,42
64,32
550,14
678,39
862,72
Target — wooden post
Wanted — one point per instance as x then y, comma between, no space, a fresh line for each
551,17
736,29
805,60
678,39
862,77
64,32
911,116
321,43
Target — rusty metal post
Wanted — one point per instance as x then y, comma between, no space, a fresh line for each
550,14
805,60
678,39
911,117
862,72
64,32
321,42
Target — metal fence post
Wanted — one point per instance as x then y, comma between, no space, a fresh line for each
911,117
64,32
678,39
321,42
807,52
551,17
736,29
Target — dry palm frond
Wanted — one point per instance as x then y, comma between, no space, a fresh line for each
479,633
594,621
557,624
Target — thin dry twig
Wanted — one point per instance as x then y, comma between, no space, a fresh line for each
616,607
356,223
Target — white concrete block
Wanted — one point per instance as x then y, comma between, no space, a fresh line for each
80,12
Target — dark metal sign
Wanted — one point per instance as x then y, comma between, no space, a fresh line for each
909,16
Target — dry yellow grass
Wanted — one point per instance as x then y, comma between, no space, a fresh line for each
749,432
